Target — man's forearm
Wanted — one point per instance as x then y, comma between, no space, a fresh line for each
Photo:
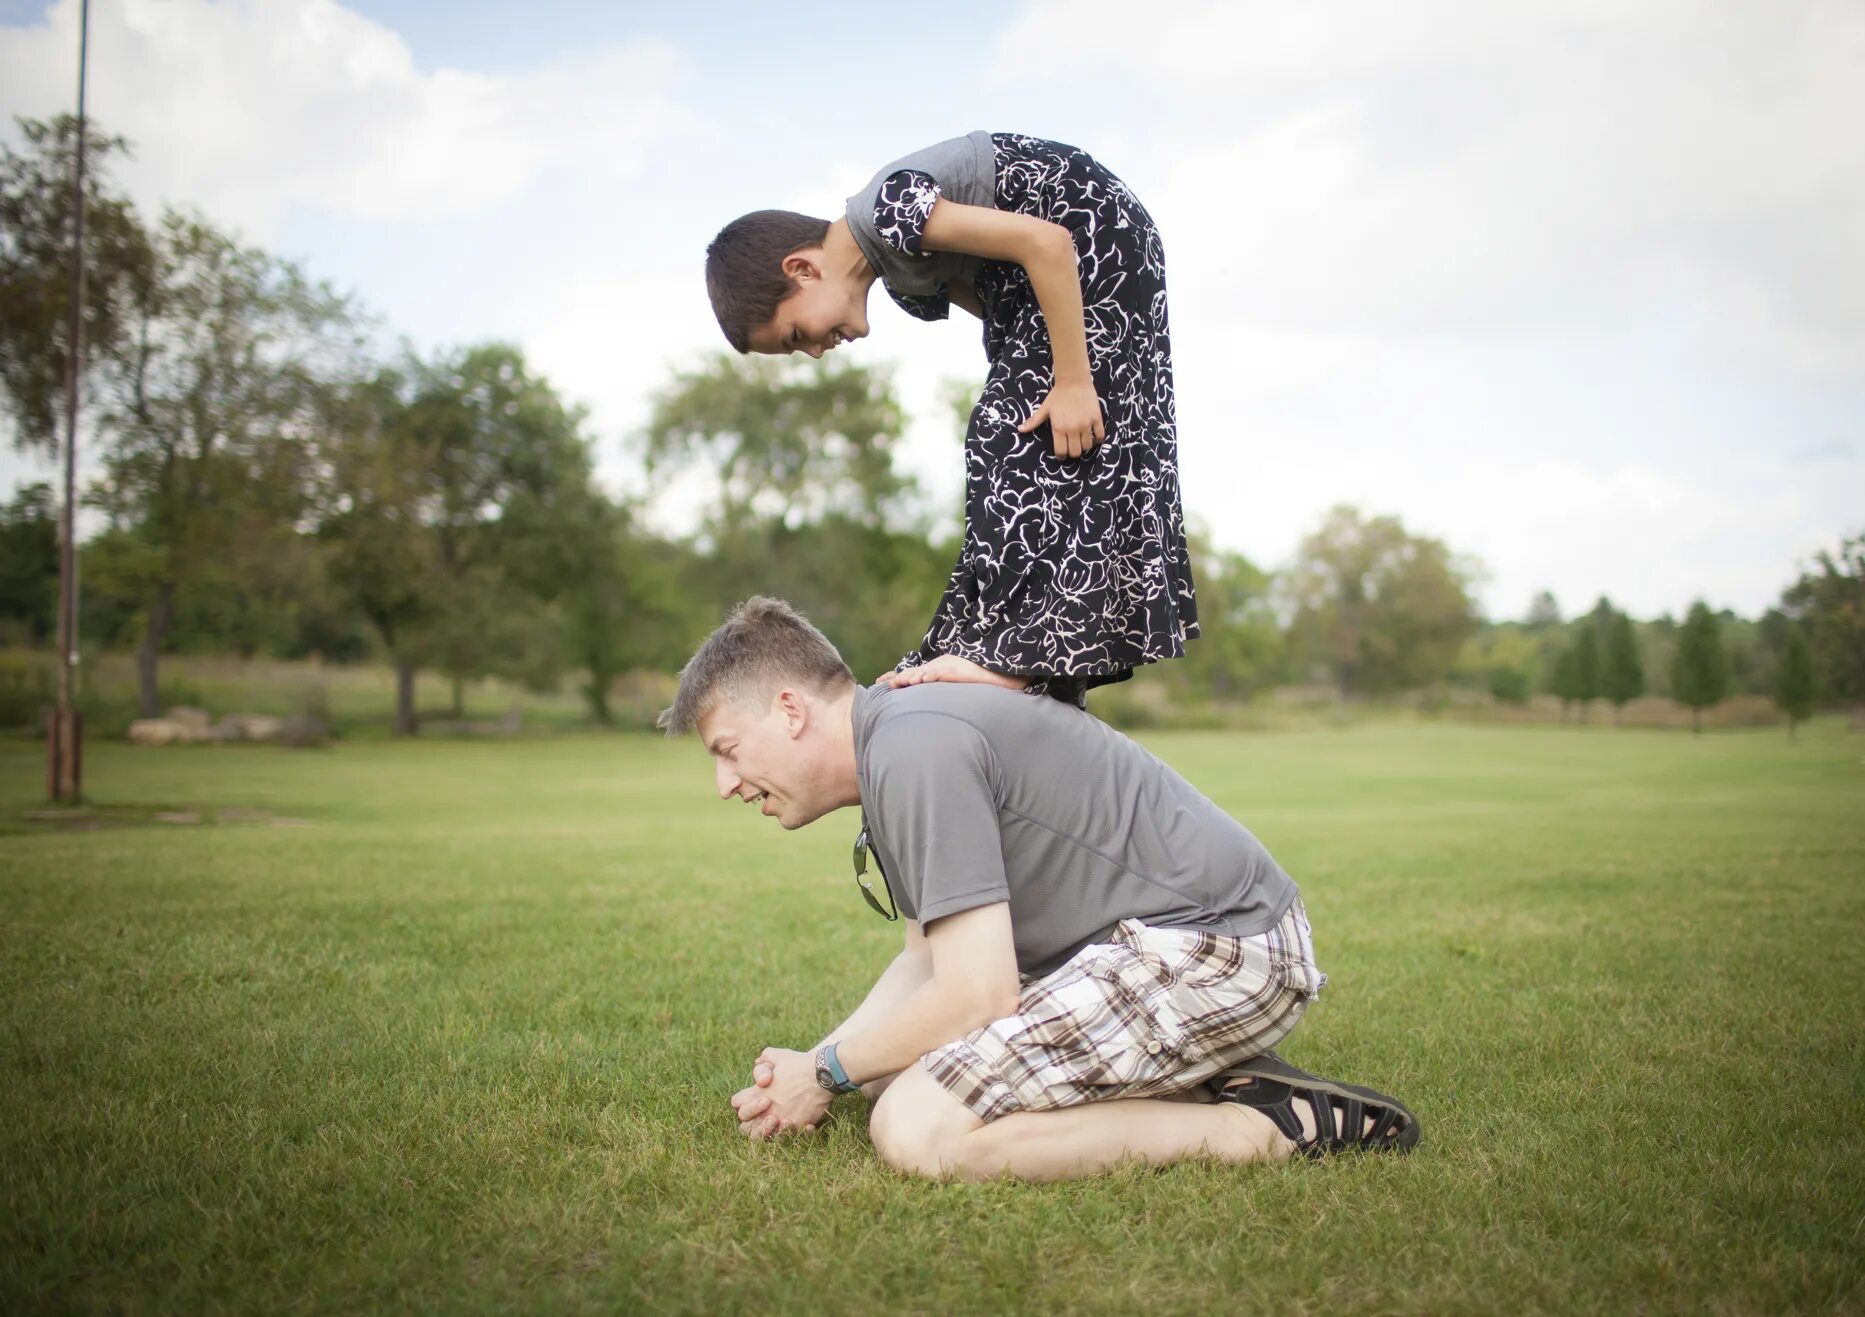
895,985
935,1013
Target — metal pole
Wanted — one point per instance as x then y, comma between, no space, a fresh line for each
67,739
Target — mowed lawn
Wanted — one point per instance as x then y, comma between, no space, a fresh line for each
464,1042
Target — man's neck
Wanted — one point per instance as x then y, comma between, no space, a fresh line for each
839,719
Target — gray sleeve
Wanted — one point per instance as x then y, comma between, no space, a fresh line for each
963,169
932,778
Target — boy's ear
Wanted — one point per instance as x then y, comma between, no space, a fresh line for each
802,266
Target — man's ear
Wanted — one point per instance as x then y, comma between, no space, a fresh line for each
795,710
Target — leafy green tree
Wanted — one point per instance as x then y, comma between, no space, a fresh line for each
1543,611
382,558
793,441
1386,610
810,506
1586,670
1564,678
1830,602
1240,648
457,511
625,606
211,417
36,232
869,588
1503,658
1622,679
1793,680
29,565
1700,666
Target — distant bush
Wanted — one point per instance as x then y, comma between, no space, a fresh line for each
1509,685
27,690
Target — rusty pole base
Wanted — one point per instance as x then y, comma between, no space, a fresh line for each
64,758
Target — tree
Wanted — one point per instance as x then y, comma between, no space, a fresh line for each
1700,667
1386,610
1504,659
213,410
35,272
1564,679
797,442
810,506
457,509
1240,647
1622,679
1543,611
1830,602
28,565
1793,680
624,606
382,558
1586,668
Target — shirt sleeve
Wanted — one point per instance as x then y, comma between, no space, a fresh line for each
902,207
934,803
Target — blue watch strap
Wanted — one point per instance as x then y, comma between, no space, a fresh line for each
839,1075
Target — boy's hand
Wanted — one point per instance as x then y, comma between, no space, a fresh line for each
1074,415
950,667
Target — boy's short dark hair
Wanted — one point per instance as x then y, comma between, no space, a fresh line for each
744,268
763,644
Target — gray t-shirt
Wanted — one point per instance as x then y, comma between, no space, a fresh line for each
975,794
966,170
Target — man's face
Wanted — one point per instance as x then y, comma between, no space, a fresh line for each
821,314
766,760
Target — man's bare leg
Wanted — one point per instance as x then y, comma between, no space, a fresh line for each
918,1126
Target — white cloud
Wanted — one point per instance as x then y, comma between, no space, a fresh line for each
1443,168
254,110
1568,283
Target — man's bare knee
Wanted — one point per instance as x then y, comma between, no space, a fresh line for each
917,1125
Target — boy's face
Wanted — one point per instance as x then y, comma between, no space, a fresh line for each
822,313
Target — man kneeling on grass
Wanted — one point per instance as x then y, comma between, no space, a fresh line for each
1090,942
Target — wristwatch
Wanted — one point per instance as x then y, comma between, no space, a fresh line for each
829,1072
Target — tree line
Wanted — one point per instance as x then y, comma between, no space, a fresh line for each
269,485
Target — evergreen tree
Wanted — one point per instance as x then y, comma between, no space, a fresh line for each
1793,680
1700,667
1623,677
1830,602
1563,681
1586,674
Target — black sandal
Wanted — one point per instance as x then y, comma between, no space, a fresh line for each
1340,1112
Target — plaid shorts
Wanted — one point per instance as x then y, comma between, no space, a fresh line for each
1154,1011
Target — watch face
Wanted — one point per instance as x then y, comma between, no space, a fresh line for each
823,1076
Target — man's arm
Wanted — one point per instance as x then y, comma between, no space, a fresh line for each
902,977
974,981
904,973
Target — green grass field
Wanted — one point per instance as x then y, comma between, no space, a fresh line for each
464,1043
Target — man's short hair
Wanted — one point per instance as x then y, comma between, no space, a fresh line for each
763,644
744,268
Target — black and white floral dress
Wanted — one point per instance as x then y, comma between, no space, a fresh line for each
1072,570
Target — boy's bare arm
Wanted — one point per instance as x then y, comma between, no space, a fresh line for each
1047,253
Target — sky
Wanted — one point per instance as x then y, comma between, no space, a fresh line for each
1573,285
